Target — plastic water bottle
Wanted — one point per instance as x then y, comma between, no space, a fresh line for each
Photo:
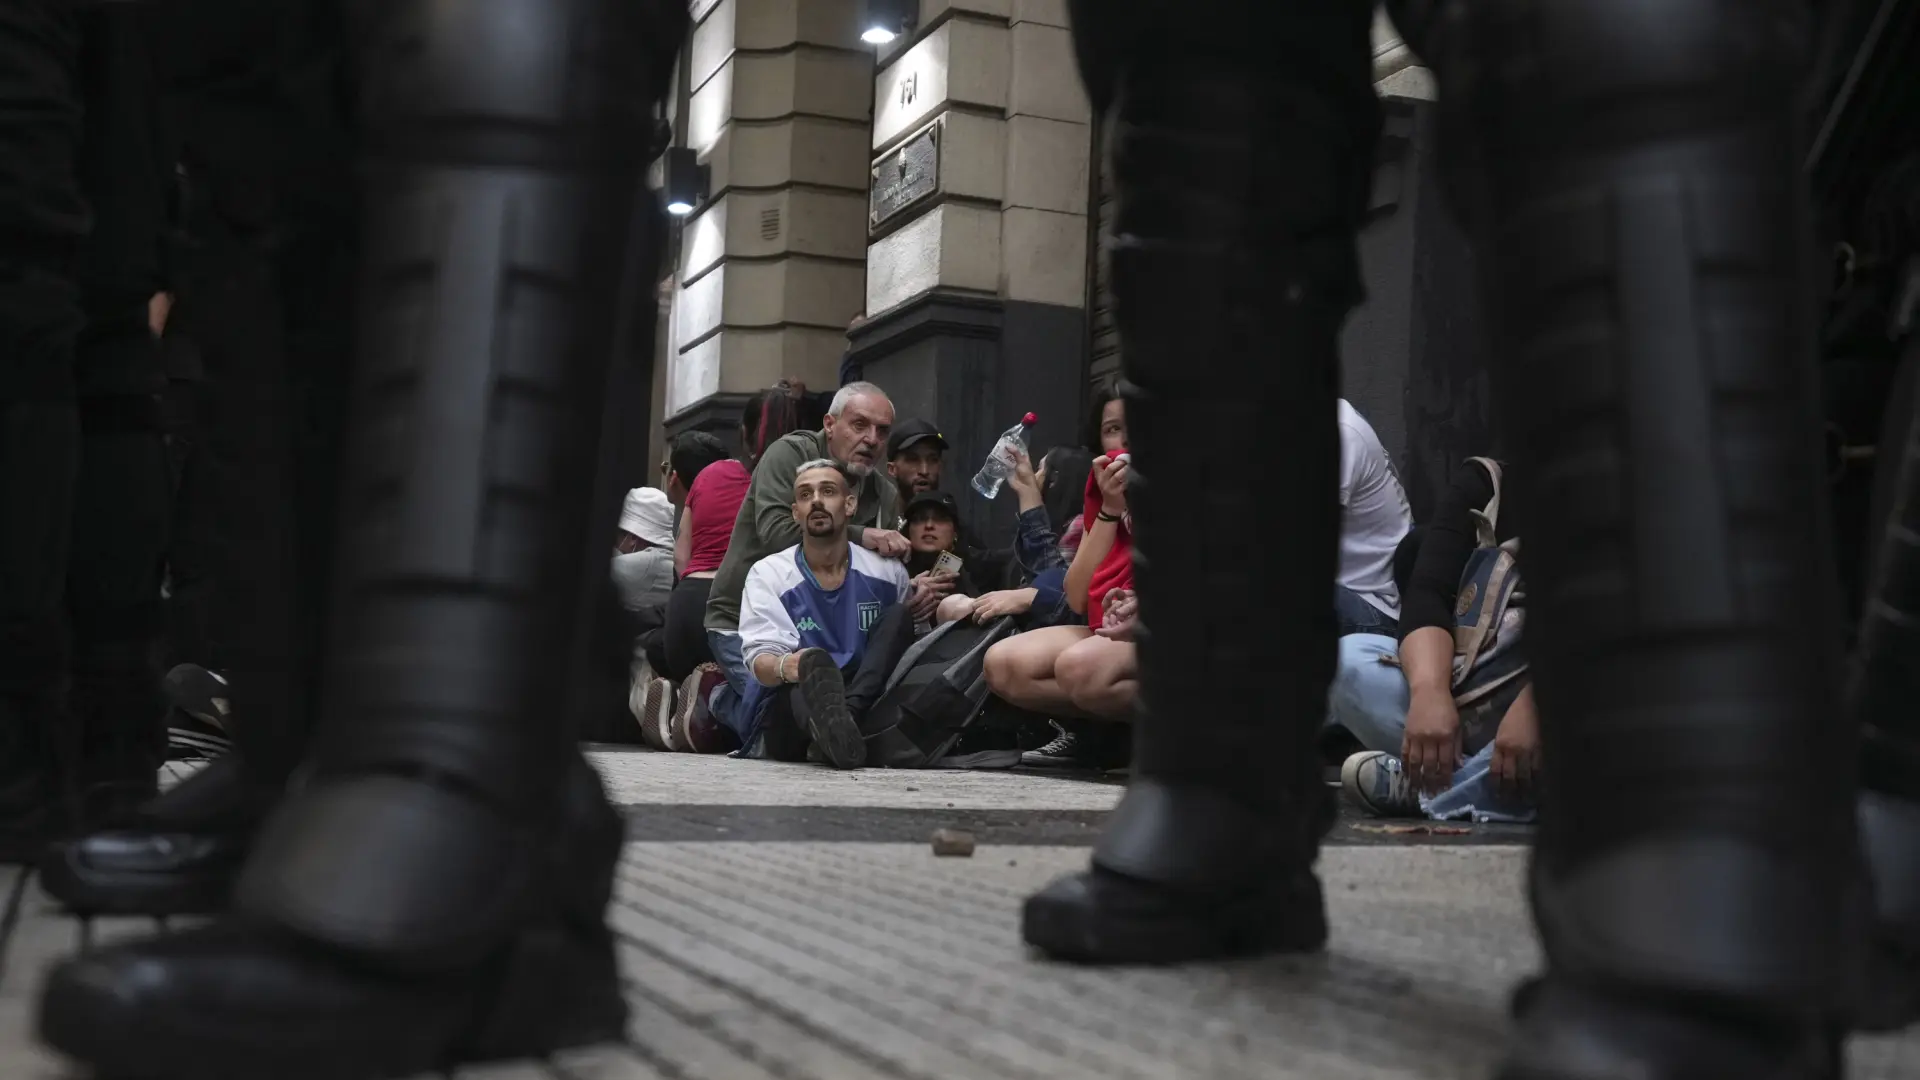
1006,454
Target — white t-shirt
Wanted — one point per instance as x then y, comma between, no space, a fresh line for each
1374,515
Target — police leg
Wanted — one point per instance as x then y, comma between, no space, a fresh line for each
1632,172
1242,163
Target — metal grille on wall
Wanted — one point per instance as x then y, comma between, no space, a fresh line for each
1103,336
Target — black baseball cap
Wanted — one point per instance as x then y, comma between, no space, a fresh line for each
940,499
909,432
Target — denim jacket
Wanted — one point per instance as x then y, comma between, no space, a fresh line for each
1038,550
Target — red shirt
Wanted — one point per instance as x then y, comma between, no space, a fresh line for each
712,505
1116,570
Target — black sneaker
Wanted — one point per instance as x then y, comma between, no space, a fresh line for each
1086,747
196,726
826,717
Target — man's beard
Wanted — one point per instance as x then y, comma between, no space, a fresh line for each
859,469
822,528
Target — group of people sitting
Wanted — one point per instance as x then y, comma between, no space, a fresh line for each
776,612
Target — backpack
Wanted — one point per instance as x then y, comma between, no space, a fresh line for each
1489,670
933,696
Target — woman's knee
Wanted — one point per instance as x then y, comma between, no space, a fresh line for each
1090,673
953,609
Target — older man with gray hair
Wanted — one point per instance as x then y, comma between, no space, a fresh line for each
856,428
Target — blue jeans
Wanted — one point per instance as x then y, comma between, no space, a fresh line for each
1353,615
1369,698
727,699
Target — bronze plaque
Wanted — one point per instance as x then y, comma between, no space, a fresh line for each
910,173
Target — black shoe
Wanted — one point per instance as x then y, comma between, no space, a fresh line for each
237,1001
1573,1033
1083,746
828,720
1100,917
242,999
1186,874
181,858
202,704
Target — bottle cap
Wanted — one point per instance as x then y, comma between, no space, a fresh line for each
1029,419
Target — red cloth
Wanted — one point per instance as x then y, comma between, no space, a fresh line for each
712,505
1116,570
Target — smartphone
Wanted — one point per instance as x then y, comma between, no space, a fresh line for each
948,563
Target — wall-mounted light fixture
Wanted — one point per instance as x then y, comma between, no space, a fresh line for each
686,181
888,19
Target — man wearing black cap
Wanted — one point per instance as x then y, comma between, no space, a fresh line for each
914,452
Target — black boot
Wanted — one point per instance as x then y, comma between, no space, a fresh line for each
427,895
1242,175
180,855
241,999
1882,689
1632,175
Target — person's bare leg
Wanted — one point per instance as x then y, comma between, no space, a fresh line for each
1021,669
1101,677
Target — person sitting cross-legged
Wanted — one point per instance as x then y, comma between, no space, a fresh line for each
822,625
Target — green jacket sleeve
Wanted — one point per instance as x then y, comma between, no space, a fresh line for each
771,497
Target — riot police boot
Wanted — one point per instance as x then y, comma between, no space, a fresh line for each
1241,180
253,996
1631,173
34,807
1882,684
179,854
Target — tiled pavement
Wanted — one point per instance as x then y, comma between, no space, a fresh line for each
788,923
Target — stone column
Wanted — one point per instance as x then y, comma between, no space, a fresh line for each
977,266
772,264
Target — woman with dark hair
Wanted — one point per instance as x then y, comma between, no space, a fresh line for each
1078,668
706,528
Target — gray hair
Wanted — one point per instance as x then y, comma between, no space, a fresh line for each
853,390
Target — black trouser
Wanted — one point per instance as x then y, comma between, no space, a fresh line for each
684,645
1634,187
42,219
784,724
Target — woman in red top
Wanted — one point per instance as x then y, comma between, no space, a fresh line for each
711,493
1084,672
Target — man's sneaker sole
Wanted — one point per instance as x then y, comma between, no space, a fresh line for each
829,721
190,739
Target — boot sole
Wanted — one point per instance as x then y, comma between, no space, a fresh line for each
829,721
138,894
1081,933
545,1002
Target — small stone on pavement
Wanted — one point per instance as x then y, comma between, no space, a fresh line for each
957,842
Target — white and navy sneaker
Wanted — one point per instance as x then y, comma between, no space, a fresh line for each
1376,781
197,722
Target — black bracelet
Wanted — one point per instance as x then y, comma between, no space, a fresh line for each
1104,516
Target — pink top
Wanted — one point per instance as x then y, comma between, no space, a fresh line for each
712,505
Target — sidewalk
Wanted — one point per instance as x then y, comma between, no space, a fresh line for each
790,923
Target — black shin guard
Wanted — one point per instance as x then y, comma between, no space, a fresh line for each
1634,182
505,166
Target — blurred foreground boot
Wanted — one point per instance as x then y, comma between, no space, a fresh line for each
1884,684
243,999
179,854
432,890
1631,173
1241,182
